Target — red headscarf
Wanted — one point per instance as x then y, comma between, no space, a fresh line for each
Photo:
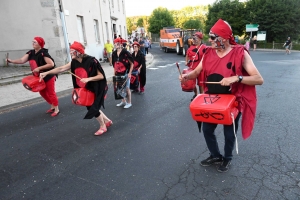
223,29
78,47
199,35
40,41
119,40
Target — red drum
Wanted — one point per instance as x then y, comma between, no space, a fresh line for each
33,83
189,85
83,97
214,108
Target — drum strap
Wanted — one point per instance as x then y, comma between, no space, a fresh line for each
233,122
196,54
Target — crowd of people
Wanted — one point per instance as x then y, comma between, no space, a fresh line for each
224,62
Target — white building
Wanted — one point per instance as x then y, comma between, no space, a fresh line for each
60,23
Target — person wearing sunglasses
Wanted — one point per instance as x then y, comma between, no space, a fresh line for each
139,67
193,57
40,61
90,75
230,65
123,64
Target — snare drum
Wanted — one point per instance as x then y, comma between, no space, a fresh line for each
83,97
214,108
189,85
33,83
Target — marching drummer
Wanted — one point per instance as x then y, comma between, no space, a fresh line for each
139,66
193,57
41,61
123,64
230,65
92,77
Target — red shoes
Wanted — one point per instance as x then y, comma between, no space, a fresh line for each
51,110
100,131
54,114
109,123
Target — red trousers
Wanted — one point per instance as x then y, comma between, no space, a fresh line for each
49,92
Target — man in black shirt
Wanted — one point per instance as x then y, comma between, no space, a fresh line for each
287,45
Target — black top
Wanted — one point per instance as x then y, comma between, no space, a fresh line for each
124,57
288,42
88,68
38,57
138,59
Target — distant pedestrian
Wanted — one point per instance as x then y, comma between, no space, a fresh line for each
146,45
287,45
109,49
254,40
41,61
247,44
93,79
142,45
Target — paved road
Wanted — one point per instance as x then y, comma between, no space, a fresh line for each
153,150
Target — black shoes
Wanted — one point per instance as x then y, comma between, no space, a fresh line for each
210,161
224,167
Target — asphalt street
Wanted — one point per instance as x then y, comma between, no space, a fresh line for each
153,150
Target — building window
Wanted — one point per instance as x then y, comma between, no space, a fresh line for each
96,30
125,32
123,7
107,32
112,3
104,1
121,31
118,5
81,30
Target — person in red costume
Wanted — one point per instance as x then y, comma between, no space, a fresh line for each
231,65
139,66
193,57
41,61
92,77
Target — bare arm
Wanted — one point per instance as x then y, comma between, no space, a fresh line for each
192,75
98,77
49,64
22,60
56,70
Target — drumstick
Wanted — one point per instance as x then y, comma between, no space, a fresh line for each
210,82
74,75
179,69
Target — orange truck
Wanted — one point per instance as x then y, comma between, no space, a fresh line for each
176,39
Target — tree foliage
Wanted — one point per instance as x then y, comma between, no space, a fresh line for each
160,17
140,22
279,18
192,24
231,11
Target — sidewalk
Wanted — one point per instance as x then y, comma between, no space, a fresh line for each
15,95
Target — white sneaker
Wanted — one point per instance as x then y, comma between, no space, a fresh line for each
121,104
128,105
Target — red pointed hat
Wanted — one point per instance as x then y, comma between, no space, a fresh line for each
223,29
119,40
136,43
199,35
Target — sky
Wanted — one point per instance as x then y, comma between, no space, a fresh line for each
145,8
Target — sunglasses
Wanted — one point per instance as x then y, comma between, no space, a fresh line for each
34,42
135,46
213,36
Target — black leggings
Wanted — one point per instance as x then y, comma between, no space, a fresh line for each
97,115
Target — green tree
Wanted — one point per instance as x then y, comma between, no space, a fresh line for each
231,11
160,17
140,22
192,24
279,18
130,26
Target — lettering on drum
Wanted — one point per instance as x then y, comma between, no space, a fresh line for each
206,115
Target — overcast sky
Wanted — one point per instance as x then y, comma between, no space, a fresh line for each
143,7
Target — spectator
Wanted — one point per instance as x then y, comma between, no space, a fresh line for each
109,49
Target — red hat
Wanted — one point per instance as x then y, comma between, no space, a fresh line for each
119,40
136,43
40,41
199,35
78,47
223,29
